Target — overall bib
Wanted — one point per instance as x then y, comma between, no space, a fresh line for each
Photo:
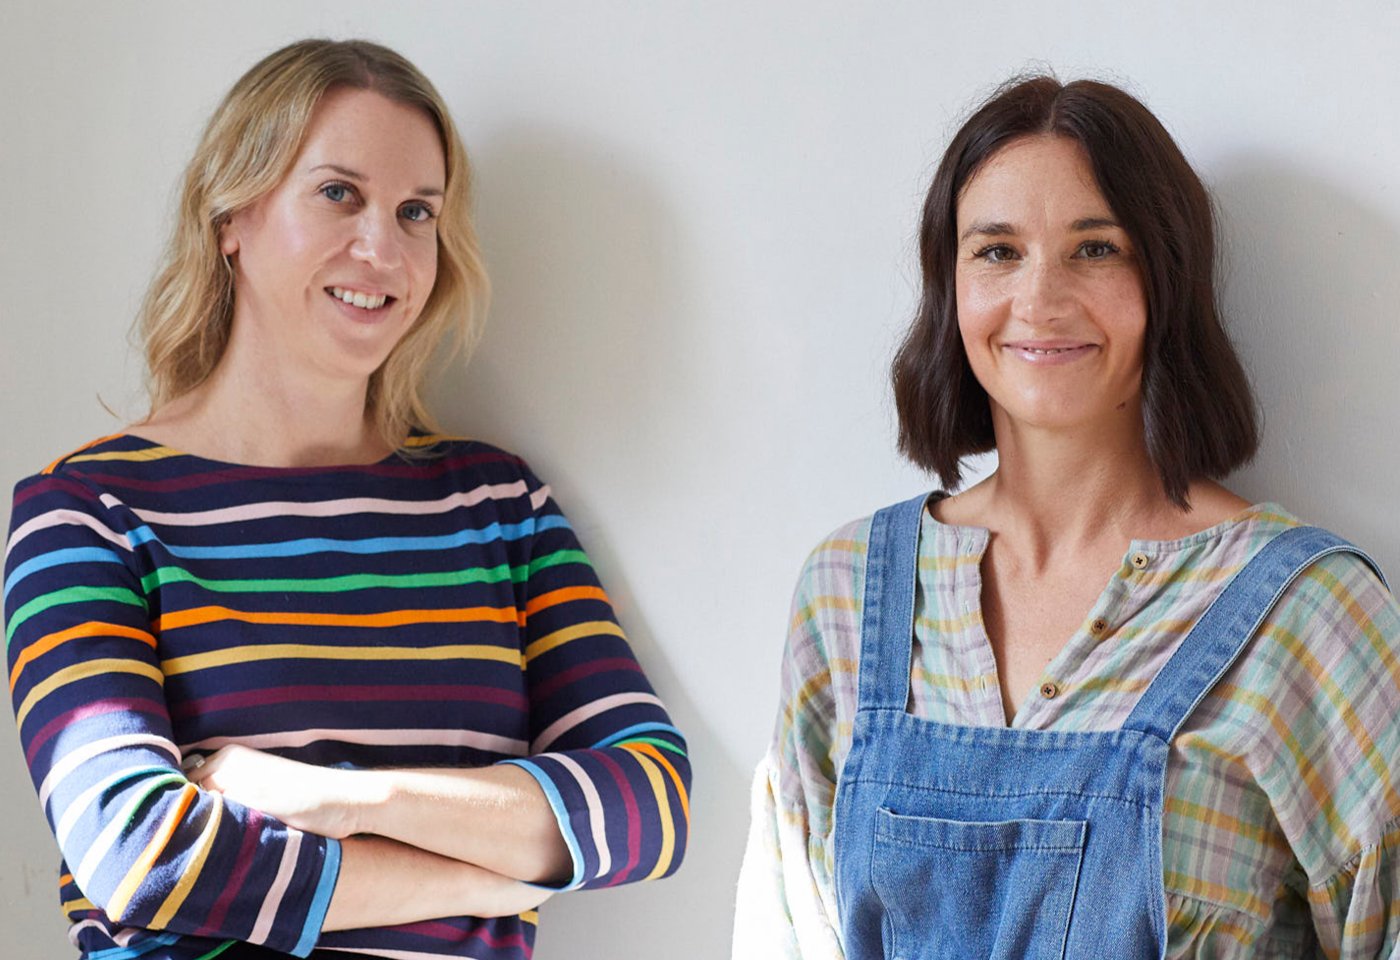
991,843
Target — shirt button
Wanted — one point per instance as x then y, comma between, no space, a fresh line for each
1099,625
1049,691
1140,561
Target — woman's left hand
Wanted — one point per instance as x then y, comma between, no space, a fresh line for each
322,800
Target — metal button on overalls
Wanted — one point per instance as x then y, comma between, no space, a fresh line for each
992,843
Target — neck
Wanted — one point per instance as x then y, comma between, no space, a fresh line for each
254,409
1060,492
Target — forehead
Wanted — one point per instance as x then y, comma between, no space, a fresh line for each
366,131
1035,177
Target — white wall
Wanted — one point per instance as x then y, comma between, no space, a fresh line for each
699,217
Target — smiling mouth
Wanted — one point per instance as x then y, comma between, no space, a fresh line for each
365,301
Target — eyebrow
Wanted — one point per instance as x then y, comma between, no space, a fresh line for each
1000,228
356,175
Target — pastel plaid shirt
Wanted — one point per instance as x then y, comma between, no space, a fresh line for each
1282,805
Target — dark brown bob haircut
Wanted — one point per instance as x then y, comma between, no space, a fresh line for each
1199,414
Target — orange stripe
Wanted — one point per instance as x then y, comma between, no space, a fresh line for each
93,628
393,618
655,754
87,446
64,880
562,595
132,881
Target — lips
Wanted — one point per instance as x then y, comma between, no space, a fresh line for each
1050,352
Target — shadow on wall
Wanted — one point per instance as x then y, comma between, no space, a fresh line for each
1311,294
580,370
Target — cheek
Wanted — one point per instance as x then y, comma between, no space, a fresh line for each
978,303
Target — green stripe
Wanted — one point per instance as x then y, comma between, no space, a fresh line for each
663,744
164,576
217,950
156,783
70,595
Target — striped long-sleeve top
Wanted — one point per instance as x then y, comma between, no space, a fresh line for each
436,611
1281,822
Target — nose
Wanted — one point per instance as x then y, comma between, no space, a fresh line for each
1042,291
377,240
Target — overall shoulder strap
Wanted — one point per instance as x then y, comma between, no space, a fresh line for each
887,623
1217,639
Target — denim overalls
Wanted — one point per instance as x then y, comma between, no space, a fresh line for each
1007,844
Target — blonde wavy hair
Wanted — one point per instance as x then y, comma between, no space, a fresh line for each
247,148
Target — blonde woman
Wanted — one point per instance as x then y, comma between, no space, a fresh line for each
292,671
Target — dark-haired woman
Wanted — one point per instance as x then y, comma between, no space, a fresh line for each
1095,705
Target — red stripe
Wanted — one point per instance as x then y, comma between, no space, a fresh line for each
94,709
56,483
210,478
634,818
573,674
347,694
252,835
440,930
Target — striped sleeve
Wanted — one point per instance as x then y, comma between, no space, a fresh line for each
143,845
1329,753
602,747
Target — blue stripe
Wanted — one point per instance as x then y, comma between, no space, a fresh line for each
320,901
143,947
561,814
300,548
635,729
58,558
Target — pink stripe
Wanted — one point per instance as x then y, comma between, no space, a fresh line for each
347,694
64,517
262,929
586,712
95,709
211,478
252,836
634,818
488,742
573,674
274,509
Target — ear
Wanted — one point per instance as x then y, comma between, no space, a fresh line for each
228,238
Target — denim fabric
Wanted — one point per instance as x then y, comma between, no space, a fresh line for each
1011,844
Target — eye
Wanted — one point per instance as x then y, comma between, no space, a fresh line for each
417,212
336,192
1096,249
996,253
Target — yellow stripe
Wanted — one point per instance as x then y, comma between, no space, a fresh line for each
1108,684
1379,646
825,602
146,454
431,439
531,916
1339,700
87,446
132,881
668,828
1223,821
558,638
1312,779
844,546
303,651
82,903
948,563
1185,575
954,625
1194,925
1191,886
81,671
190,874
655,754
984,681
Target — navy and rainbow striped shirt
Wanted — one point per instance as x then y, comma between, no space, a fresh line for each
437,611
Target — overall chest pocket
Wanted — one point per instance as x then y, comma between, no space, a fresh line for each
959,890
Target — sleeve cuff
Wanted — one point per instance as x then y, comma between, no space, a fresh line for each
561,816
320,900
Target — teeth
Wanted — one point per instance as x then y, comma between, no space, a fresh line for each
362,300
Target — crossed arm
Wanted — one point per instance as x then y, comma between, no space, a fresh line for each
449,842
